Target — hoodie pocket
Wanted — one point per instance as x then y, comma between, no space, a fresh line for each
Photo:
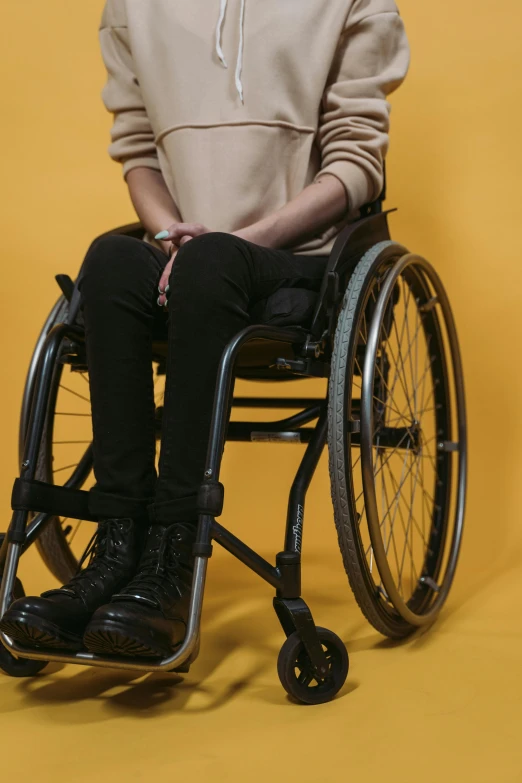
231,175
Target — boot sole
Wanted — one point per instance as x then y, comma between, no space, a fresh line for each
34,631
112,638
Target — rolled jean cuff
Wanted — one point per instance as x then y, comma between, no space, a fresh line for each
179,510
108,506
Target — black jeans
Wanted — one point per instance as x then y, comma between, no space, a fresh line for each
216,281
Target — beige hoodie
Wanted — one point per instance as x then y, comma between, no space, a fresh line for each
243,103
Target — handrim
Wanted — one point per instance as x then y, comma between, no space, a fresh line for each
367,415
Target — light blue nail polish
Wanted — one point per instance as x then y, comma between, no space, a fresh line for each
162,235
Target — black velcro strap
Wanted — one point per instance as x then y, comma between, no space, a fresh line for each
211,496
39,496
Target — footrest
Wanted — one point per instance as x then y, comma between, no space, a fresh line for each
183,669
40,496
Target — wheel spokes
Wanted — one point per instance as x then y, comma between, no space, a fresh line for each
404,396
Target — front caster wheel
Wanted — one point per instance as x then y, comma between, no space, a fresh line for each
297,676
19,667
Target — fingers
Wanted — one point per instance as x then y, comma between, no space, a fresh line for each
189,230
163,285
162,299
163,290
178,231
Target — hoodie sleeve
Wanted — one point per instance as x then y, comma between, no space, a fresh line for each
131,134
371,61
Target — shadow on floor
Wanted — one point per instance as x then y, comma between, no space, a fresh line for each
237,617
144,695
229,625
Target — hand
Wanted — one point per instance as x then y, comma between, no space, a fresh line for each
179,234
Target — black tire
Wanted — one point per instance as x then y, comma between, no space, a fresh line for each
19,667
304,688
350,510
339,441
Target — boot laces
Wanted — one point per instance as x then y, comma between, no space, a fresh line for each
101,556
159,570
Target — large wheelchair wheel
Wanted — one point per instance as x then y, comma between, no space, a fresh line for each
52,543
397,439
65,455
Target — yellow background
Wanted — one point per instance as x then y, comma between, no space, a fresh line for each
446,705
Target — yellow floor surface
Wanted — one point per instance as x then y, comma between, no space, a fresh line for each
443,706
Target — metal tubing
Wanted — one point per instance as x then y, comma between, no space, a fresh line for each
296,500
242,430
32,374
204,533
249,431
35,528
8,577
184,654
276,402
224,387
290,423
75,480
247,556
41,396
206,525
40,400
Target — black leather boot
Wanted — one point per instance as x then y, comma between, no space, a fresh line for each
58,618
149,617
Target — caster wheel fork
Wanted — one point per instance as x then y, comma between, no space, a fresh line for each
313,662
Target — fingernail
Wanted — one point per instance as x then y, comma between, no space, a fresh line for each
167,289
162,235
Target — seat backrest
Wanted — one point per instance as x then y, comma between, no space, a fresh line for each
370,227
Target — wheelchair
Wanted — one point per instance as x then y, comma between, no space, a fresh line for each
381,333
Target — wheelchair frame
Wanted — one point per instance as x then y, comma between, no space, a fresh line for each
310,352
285,576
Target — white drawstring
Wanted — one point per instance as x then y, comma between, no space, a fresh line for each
219,50
239,63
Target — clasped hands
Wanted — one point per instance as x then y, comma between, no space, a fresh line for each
178,234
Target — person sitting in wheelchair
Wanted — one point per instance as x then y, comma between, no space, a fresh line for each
242,178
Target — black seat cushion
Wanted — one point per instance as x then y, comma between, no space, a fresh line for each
285,307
